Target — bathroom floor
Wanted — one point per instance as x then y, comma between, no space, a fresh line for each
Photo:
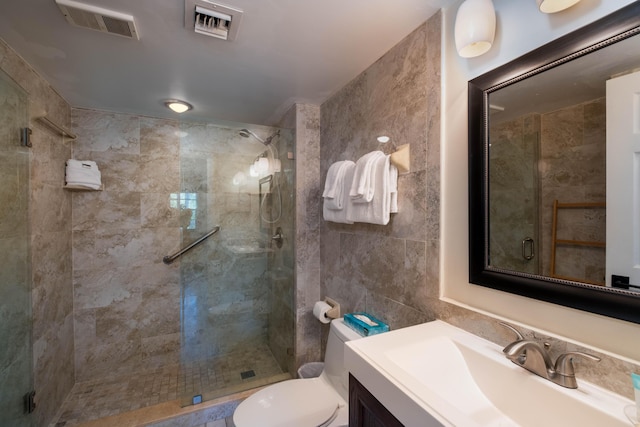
90,400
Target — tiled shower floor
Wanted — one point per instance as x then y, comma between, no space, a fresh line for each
90,400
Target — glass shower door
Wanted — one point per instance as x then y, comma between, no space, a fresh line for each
15,278
514,153
237,286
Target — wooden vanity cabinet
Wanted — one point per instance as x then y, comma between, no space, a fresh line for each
367,411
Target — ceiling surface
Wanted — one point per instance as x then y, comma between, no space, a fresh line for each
581,80
286,51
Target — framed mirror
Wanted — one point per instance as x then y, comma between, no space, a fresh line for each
554,171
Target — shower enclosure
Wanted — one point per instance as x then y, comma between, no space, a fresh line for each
217,321
236,286
15,277
535,160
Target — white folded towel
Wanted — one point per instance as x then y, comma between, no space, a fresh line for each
384,180
329,213
335,186
363,186
83,174
393,188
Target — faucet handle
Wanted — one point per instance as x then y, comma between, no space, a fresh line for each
564,362
514,330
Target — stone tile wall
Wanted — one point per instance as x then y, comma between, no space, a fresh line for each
305,119
50,222
126,301
390,271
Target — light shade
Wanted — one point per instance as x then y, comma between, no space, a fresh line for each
553,6
177,105
475,27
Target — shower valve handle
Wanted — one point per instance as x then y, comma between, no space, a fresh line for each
278,237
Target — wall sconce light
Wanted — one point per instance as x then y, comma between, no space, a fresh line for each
178,106
475,27
553,6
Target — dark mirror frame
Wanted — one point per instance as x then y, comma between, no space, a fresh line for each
609,302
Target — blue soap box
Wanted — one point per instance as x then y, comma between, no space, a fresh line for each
365,324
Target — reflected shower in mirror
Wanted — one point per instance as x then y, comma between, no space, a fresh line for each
552,143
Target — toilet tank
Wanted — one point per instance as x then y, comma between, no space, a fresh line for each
334,370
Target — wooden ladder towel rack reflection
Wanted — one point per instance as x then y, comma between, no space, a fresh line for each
555,241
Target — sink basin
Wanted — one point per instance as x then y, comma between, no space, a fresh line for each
436,374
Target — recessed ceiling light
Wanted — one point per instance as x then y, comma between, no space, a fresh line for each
383,139
177,105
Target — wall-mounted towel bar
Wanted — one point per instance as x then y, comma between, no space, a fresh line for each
59,129
170,258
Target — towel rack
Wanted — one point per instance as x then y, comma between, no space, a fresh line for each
401,158
170,258
60,129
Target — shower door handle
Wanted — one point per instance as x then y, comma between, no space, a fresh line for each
528,242
278,237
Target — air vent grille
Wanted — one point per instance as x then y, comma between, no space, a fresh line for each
212,19
117,26
211,23
98,19
84,19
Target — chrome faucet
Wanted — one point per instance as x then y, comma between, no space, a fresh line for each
534,357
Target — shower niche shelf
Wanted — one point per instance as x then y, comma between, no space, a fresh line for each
78,188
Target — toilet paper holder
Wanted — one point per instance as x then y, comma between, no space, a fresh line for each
334,313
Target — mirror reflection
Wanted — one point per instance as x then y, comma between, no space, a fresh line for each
561,169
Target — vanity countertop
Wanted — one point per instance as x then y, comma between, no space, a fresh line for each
436,374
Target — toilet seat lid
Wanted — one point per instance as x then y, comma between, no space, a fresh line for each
293,403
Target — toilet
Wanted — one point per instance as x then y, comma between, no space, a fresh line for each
309,402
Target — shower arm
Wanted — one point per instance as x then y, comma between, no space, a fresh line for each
170,258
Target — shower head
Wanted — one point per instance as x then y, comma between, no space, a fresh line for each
246,133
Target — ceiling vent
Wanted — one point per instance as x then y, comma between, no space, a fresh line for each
212,19
99,19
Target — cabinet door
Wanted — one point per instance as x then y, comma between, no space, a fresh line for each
367,411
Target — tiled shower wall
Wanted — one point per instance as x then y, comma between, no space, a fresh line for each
50,223
127,302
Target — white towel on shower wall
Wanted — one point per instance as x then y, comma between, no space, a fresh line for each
83,174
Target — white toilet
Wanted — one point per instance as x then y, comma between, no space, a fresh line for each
310,402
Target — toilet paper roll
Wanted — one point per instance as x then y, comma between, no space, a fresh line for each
320,310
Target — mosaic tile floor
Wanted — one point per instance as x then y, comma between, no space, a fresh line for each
90,400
